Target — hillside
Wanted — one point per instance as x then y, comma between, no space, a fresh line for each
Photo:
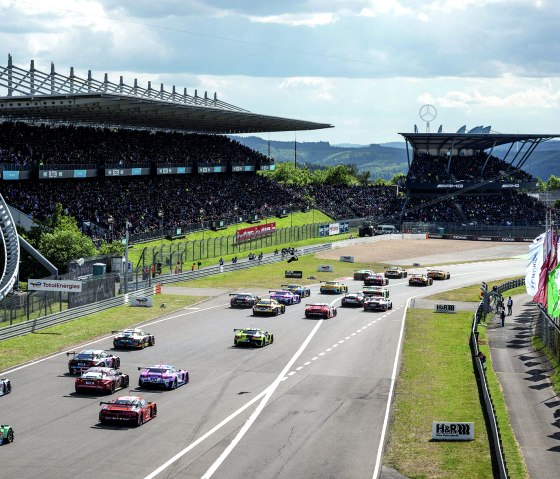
385,160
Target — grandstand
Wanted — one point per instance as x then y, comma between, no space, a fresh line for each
454,178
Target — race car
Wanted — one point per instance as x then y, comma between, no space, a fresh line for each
420,279
320,310
333,287
268,307
376,291
438,274
6,434
362,273
133,338
5,386
285,297
162,375
101,380
301,291
395,272
89,358
352,300
127,409
375,279
376,303
252,337
243,300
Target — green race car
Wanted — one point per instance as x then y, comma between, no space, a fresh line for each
6,434
252,337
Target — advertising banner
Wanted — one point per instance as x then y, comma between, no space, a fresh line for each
452,431
553,296
536,258
325,268
142,301
252,232
293,274
334,229
347,259
54,285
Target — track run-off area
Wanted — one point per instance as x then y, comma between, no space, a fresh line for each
315,403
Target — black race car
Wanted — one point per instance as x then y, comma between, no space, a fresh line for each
243,300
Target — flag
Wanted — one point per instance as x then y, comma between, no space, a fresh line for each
548,265
536,258
553,293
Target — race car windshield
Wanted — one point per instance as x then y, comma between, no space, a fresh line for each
85,356
157,370
126,402
251,331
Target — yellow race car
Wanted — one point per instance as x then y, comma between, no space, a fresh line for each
268,307
333,287
438,274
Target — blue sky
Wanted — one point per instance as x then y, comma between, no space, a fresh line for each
365,66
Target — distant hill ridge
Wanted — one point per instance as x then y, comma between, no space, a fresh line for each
387,159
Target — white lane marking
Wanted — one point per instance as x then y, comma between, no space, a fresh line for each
291,373
104,338
270,390
284,378
335,345
307,363
205,436
353,334
347,337
342,340
359,330
316,357
389,400
299,369
328,349
321,354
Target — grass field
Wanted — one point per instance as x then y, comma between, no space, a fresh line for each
58,338
472,293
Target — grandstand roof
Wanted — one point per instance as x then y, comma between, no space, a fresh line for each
469,141
36,96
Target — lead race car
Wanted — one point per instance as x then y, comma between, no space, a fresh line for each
130,409
164,375
5,386
252,337
101,380
6,434
133,338
89,358
438,274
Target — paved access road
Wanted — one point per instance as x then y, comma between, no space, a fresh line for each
313,404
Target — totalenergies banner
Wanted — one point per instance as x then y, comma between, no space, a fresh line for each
253,232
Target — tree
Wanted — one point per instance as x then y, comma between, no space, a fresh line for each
65,243
553,183
398,177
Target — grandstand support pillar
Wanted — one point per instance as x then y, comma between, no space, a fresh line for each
10,69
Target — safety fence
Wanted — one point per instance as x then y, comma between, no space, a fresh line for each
480,371
147,288
548,330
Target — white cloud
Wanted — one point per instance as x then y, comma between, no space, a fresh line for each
297,20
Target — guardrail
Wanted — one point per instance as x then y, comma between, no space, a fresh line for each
146,288
495,435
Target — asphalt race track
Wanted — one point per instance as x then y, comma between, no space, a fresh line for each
311,405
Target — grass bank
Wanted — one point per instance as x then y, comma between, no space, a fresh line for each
437,383
472,293
58,338
538,345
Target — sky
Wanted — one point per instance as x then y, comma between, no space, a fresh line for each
364,66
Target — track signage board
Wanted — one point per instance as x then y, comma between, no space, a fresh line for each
444,308
452,431
54,285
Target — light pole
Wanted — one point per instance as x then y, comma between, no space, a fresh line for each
110,220
235,208
202,222
126,226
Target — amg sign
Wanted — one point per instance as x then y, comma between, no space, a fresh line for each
452,431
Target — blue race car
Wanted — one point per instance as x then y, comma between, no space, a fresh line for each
301,291
285,297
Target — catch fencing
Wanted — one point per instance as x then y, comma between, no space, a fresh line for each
147,288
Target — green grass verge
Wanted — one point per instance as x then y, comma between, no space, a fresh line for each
472,293
538,345
437,383
58,338
271,276
296,219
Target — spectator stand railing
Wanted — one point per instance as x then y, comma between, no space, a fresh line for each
480,371
146,288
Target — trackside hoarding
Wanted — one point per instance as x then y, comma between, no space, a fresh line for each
54,285
248,234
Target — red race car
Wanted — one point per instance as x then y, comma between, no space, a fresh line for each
320,310
129,409
101,380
